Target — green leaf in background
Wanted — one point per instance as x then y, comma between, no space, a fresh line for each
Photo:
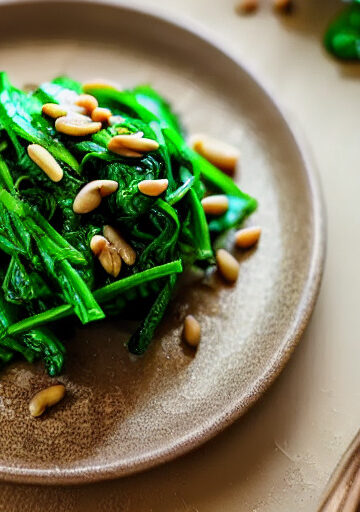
342,37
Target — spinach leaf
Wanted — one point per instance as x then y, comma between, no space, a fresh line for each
21,114
239,209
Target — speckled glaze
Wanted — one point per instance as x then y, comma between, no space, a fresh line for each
123,414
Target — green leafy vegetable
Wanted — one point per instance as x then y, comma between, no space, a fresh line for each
47,270
342,37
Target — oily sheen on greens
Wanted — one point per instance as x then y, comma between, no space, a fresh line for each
47,269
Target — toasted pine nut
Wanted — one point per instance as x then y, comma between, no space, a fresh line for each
247,237
107,254
115,147
282,5
99,84
227,265
45,161
110,260
247,6
127,153
133,142
77,125
215,205
115,120
101,114
46,398
90,196
125,250
192,331
87,101
136,142
153,187
54,110
219,153
97,244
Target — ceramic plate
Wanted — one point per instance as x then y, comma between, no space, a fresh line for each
123,414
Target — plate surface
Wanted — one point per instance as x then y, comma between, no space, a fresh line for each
122,414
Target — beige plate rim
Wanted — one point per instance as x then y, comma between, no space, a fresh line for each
237,408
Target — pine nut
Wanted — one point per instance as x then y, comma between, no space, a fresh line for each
127,153
46,398
215,205
282,5
87,101
133,142
219,153
99,84
116,147
136,142
107,255
227,265
115,120
247,237
247,6
101,114
54,110
125,250
97,244
192,331
153,187
45,161
110,260
77,125
90,196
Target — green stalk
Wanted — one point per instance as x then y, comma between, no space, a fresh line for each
16,346
107,293
6,355
7,317
5,175
77,293
200,227
38,225
44,343
55,252
154,125
180,192
141,339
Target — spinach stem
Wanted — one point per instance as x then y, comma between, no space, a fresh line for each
101,295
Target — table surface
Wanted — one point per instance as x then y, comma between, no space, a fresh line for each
280,455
